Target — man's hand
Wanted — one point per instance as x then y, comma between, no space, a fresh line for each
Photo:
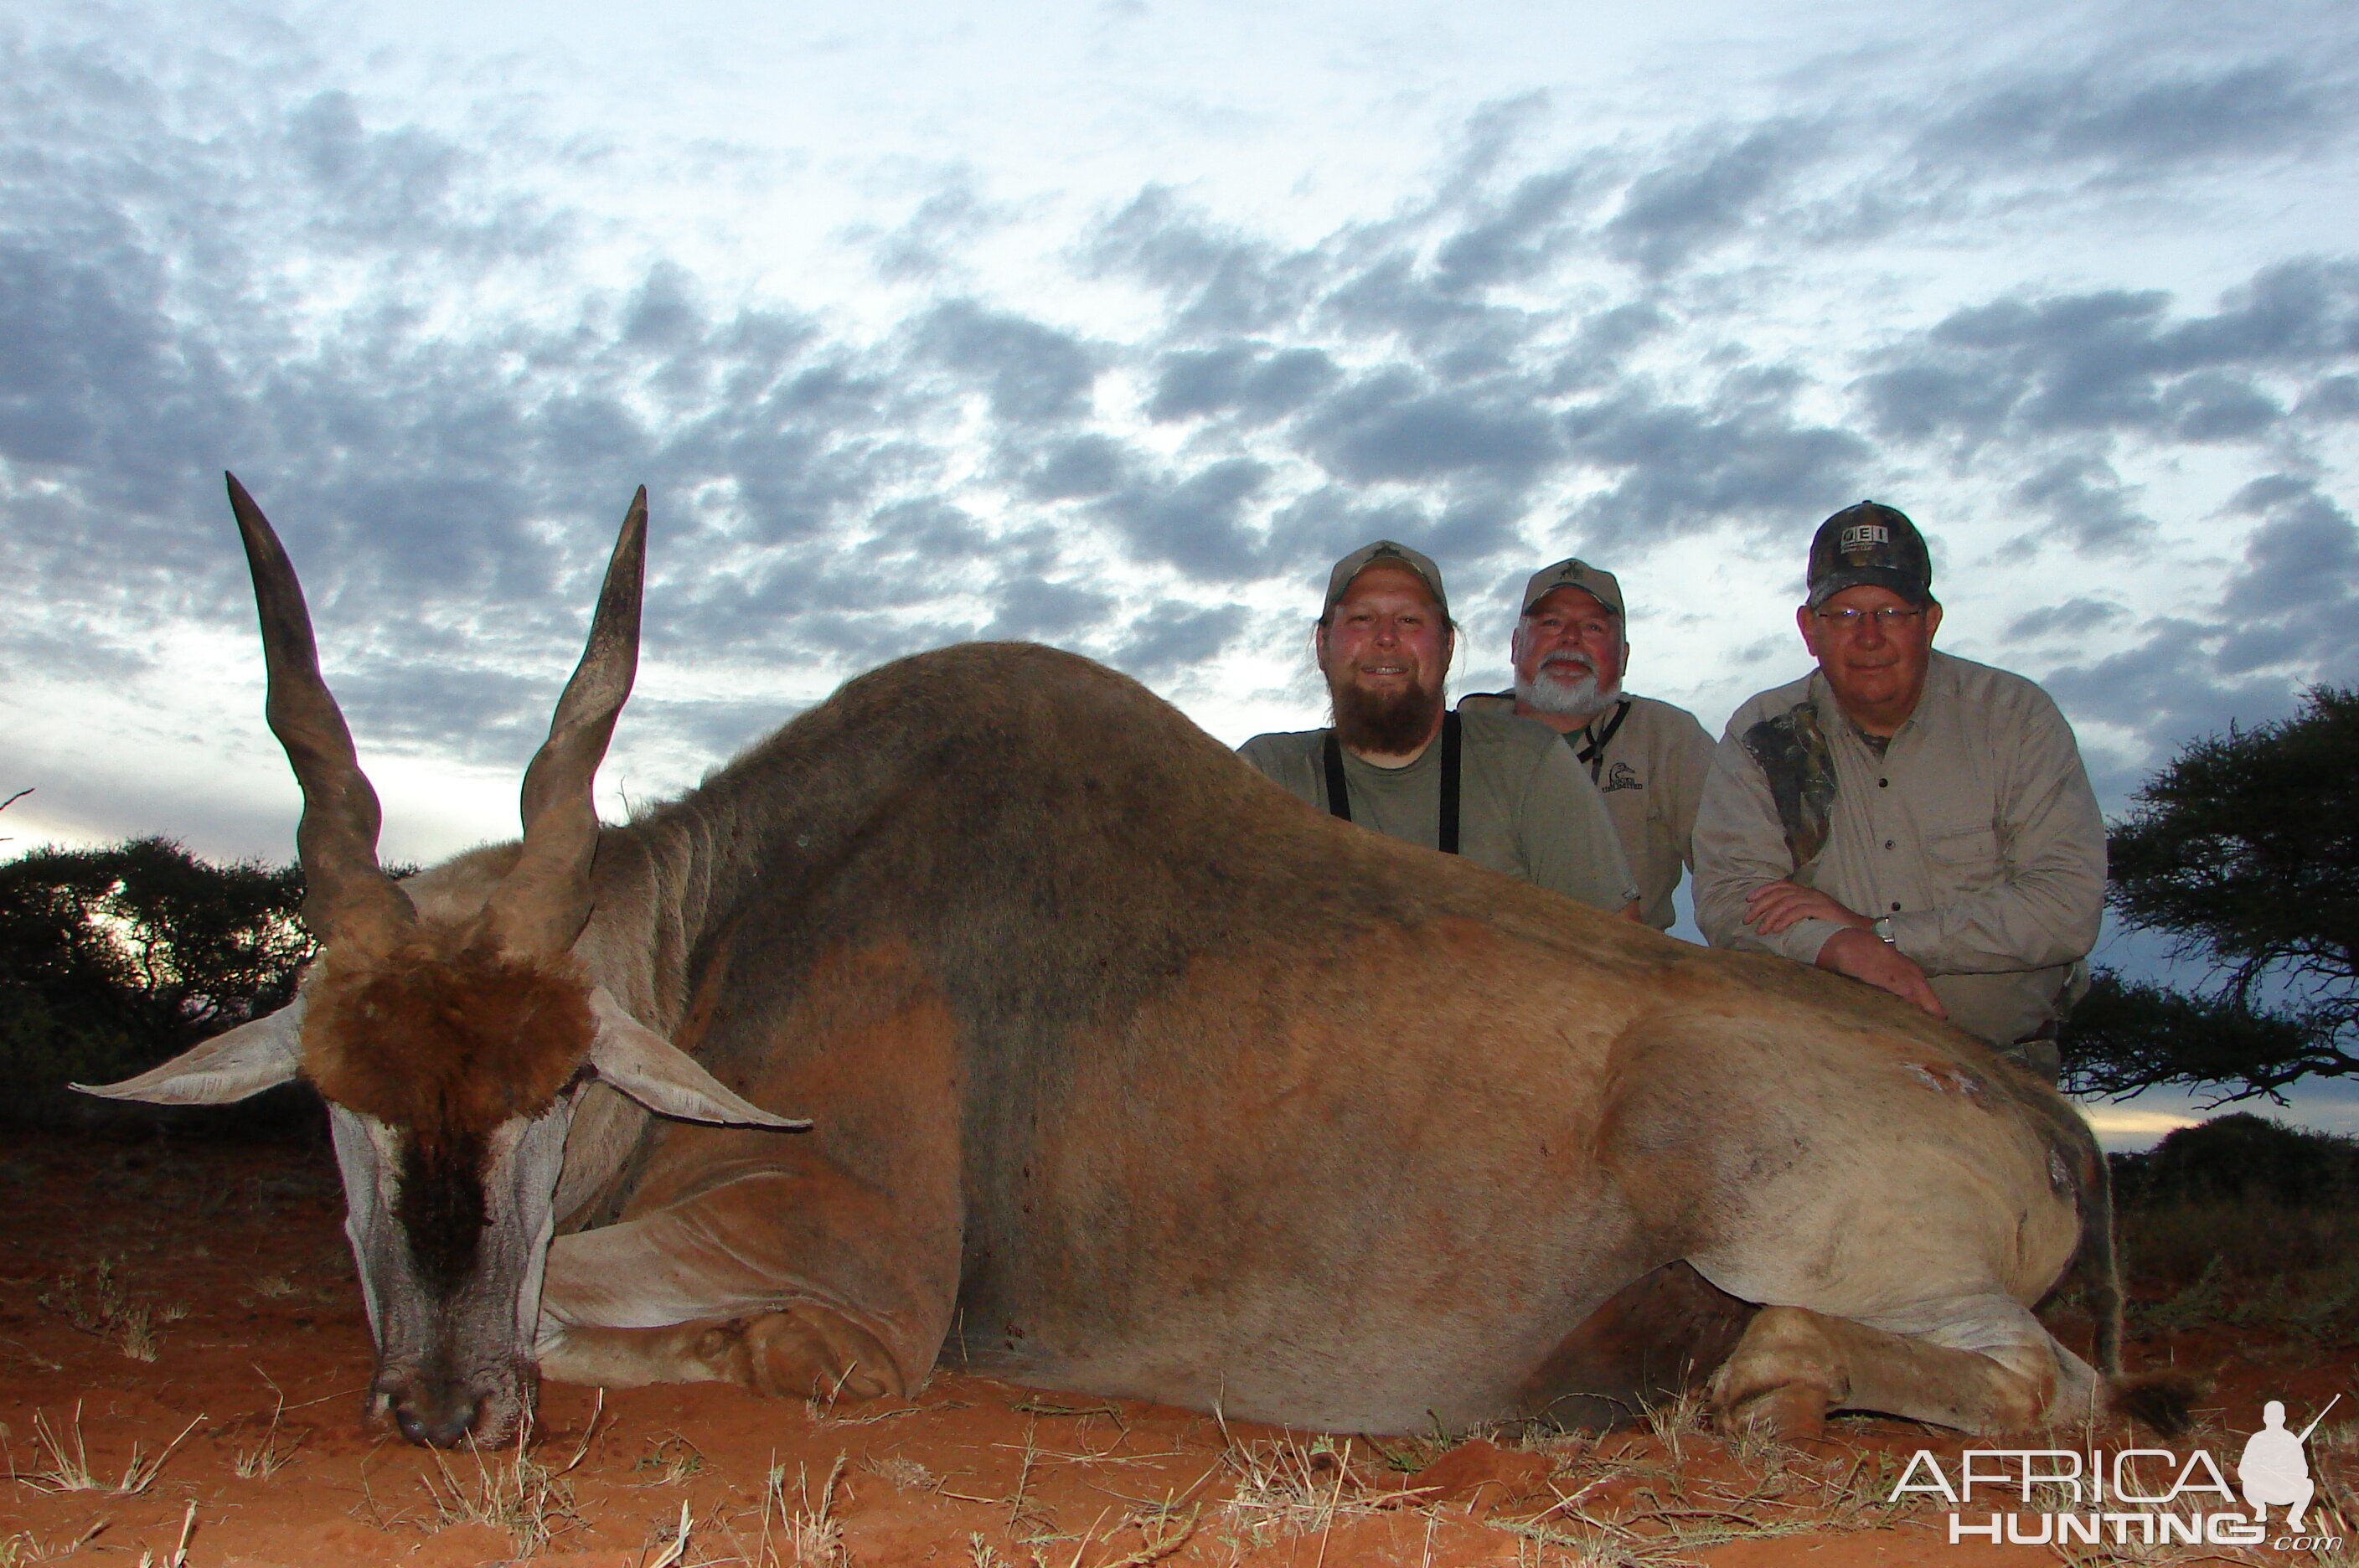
1863,956
1772,907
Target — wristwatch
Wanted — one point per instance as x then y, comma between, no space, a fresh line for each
1882,927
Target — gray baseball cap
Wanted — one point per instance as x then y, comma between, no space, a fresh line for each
1384,552
1870,546
1575,574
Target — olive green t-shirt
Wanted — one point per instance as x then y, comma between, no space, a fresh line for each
1525,806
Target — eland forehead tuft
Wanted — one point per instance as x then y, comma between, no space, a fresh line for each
449,1037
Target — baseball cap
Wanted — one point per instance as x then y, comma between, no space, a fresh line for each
1870,545
1574,574
1383,552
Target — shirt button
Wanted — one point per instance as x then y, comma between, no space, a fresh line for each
1896,908
1883,783
1888,843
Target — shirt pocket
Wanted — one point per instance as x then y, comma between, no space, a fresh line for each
1962,858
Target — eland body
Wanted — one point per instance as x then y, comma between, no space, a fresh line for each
1127,1073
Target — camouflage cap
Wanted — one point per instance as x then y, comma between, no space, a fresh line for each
1576,574
1384,552
1873,545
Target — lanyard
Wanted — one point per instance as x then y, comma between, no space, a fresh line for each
1593,753
1339,788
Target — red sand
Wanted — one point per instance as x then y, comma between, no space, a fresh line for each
235,1258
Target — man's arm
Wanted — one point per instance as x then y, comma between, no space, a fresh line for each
2045,910
1687,767
1569,839
1746,897
1740,849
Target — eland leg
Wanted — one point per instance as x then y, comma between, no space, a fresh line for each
1988,1367
823,1263
786,1283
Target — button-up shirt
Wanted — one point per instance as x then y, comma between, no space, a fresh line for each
1651,774
1975,829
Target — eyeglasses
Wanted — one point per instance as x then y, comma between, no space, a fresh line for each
1887,619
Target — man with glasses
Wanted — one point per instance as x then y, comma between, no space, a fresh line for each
1647,759
1913,821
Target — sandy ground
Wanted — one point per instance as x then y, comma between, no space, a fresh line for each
182,1351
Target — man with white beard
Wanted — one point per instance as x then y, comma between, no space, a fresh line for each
1490,787
1648,760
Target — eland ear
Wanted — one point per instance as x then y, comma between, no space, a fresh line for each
640,1063
231,1066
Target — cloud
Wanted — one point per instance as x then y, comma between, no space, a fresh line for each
2113,360
2117,115
1394,425
1249,380
2283,618
2088,503
1175,635
1033,373
1195,521
1709,193
443,384
1682,468
2075,618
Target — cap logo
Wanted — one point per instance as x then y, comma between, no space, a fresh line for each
1861,537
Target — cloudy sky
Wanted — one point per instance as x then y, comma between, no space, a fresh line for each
1111,325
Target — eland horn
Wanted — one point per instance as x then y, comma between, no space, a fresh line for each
541,905
347,895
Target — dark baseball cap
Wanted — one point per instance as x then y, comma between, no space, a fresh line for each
1594,581
1870,546
1384,552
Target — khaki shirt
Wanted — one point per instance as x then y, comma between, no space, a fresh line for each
1525,807
1650,775
1976,832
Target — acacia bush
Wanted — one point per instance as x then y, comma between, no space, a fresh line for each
112,960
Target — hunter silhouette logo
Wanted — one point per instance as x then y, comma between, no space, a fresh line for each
2153,1497
2275,1470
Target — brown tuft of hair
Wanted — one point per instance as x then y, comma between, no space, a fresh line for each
447,1038
2162,1402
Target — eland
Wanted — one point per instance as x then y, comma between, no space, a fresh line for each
991,1013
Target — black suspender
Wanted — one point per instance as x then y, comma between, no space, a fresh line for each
1338,788
1593,753
1448,836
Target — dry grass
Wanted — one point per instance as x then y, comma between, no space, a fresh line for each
98,1303
180,1557
1681,1489
514,1493
2251,1266
1293,1485
262,1459
671,1459
807,1533
64,1463
902,1473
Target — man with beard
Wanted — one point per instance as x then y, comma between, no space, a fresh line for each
1648,760
1917,821
1494,788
